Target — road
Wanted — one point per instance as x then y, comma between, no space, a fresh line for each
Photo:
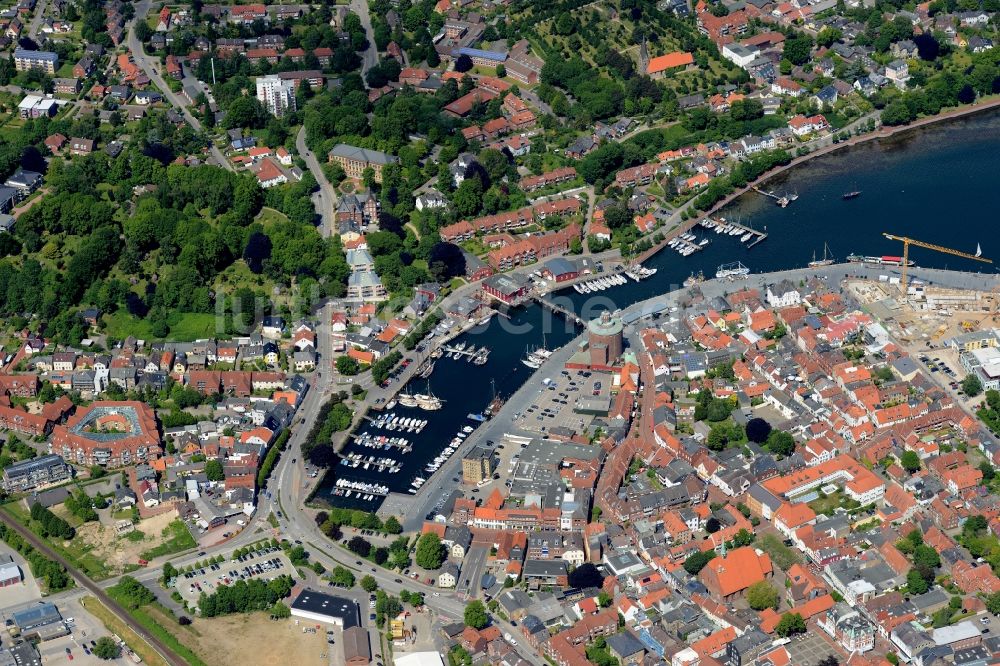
36,21
149,65
325,199
370,56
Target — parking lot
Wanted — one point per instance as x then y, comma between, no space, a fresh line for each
553,406
810,648
21,593
85,629
266,564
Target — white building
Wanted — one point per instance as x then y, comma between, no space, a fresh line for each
783,295
740,55
276,94
985,364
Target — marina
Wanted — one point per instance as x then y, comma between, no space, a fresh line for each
747,235
902,181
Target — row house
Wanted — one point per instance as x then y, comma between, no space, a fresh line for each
554,177
640,175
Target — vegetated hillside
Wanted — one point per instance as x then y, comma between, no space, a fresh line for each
149,242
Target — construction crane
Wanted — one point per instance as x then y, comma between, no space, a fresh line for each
930,246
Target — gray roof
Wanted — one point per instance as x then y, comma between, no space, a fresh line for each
362,154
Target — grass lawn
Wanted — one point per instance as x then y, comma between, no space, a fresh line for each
178,538
269,216
780,554
184,327
119,628
827,504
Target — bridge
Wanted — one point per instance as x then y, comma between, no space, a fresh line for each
558,309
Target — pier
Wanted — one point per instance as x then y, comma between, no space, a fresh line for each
558,309
456,353
759,236
780,199
691,247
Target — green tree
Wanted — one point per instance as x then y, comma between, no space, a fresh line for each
910,461
347,365
430,551
106,648
697,561
475,615
369,584
993,603
790,624
780,443
762,595
971,385
798,49
214,471
342,577
392,526
280,611
916,583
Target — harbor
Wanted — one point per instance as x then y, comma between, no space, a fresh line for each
901,182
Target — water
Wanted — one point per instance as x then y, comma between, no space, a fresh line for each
937,185
940,185
464,388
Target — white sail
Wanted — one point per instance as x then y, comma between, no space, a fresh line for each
979,250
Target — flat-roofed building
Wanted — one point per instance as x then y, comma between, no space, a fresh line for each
26,60
30,474
477,465
326,608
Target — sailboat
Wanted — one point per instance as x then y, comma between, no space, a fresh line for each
825,261
979,250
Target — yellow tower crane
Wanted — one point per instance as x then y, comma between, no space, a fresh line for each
930,246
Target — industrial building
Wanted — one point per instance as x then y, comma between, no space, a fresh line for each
319,607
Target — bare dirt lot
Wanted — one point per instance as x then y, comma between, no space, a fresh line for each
252,639
119,551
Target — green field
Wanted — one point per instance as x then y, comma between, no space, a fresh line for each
178,538
184,327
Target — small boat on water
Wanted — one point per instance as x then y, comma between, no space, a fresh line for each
825,261
853,194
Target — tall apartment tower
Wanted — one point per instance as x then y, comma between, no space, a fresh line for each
276,94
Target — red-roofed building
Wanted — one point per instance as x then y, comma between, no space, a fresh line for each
731,575
660,65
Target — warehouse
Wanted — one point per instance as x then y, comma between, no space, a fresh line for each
319,607
10,573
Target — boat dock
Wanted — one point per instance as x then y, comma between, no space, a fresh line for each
686,244
461,352
780,199
758,236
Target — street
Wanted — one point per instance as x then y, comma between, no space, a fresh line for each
370,56
326,199
147,64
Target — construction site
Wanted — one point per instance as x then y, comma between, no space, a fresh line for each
921,314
